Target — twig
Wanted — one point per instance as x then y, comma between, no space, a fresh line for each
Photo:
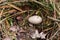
39,3
53,19
7,24
1,12
10,11
47,29
5,6
14,6
37,12
19,1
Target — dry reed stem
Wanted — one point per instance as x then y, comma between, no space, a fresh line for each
1,12
10,11
5,6
14,6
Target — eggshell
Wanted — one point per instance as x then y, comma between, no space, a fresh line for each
35,19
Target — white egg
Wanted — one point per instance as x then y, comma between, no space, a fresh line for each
35,19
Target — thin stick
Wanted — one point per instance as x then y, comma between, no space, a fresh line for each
14,6
10,11
53,19
5,6
47,29
1,12
39,3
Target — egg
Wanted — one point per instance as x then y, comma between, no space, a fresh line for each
35,19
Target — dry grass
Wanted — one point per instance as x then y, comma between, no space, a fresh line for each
49,10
